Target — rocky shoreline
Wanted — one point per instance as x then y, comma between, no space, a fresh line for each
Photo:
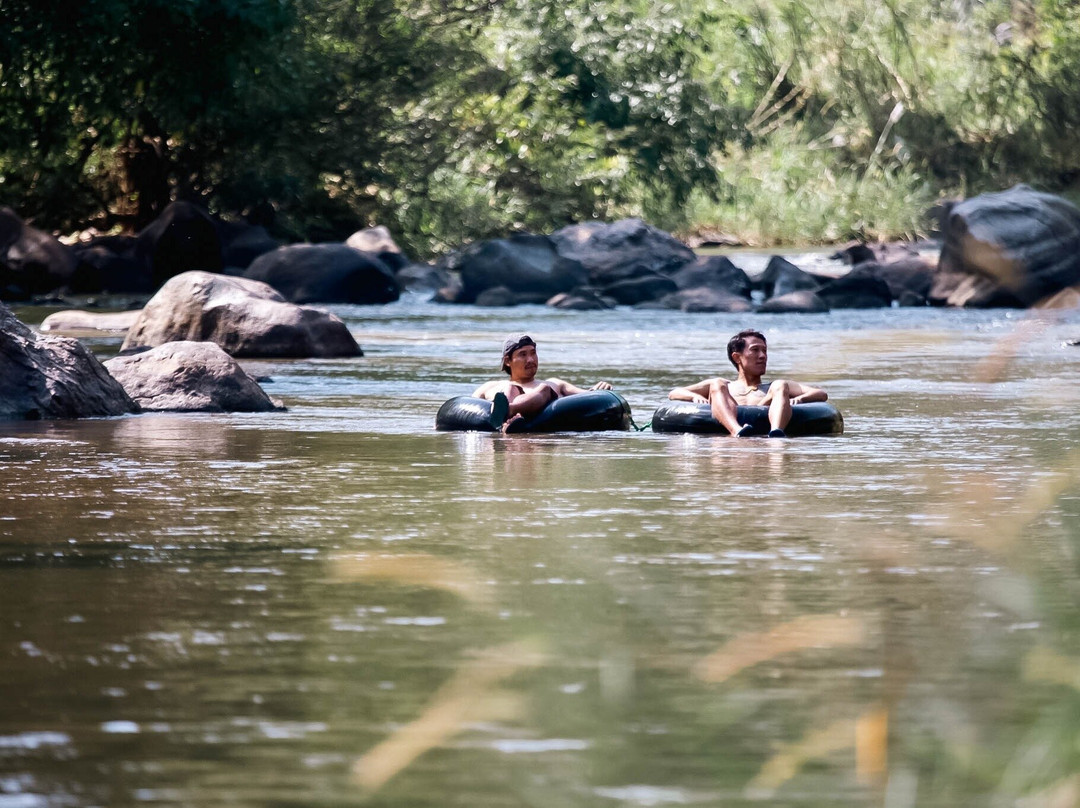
223,290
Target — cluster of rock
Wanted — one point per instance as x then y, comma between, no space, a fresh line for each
185,238
1015,248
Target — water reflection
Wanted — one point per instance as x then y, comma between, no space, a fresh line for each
313,608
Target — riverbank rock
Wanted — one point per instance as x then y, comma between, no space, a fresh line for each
182,238
325,273
801,302
53,377
702,299
243,316
1024,242
75,321
31,262
242,243
422,278
110,265
524,264
583,298
622,250
639,289
713,272
859,292
909,279
378,241
781,278
189,377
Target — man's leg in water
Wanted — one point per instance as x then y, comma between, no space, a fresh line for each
725,410
779,400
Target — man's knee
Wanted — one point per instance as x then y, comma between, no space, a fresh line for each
780,387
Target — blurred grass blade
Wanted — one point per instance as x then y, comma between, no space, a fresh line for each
1044,664
808,631
834,737
872,745
469,696
415,569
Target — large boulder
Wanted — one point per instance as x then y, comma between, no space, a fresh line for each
53,377
242,243
189,377
111,265
908,278
183,238
32,262
378,240
961,290
644,288
1022,240
713,272
621,250
781,277
860,292
325,273
244,317
524,264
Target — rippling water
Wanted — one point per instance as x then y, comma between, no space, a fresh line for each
336,605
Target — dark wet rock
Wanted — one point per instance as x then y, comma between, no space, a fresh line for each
907,299
53,377
622,250
1025,241
32,262
632,291
243,316
182,239
242,243
422,278
859,292
110,265
713,272
712,238
781,277
378,240
189,377
78,321
582,299
704,299
855,253
523,263
501,296
911,276
801,302
325,273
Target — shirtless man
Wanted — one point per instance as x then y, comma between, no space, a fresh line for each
749,354
523,395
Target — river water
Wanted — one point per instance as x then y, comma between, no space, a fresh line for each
336,605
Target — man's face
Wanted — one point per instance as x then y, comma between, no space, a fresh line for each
753,357
523,362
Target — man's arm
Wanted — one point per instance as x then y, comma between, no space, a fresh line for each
805,394
568,389
488,389
698,393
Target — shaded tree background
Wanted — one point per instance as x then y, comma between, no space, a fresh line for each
461,119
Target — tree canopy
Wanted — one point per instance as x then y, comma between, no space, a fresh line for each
460,119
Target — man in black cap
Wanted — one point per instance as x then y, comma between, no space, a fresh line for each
523,393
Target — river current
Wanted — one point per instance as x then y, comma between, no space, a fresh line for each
337,605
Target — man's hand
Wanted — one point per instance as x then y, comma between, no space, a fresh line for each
699,399
601,386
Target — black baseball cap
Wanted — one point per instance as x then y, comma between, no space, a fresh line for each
512,343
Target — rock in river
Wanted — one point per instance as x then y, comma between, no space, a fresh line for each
53,377
189,377
245,317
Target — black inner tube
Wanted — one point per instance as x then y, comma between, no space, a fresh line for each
818,418
594,410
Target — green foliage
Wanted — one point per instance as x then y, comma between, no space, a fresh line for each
779,120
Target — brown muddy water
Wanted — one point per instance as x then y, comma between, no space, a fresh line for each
338,606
